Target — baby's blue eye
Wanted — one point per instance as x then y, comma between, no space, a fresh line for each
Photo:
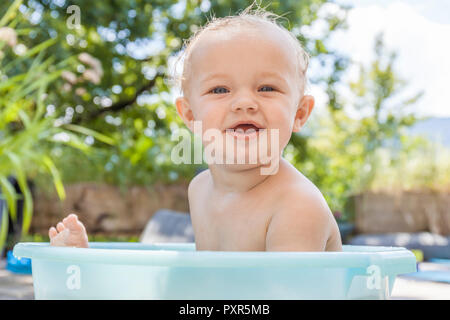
266,88
219,90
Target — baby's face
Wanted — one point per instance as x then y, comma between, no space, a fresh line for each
245,76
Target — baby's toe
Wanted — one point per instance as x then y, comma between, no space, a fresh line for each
72,223
70,217
60,226
52,232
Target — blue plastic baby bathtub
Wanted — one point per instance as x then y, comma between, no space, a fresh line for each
178,271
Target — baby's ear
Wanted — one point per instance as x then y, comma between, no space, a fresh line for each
185,112
304,109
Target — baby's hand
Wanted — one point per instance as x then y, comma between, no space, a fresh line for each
69,233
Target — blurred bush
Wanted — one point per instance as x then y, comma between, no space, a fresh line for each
27,132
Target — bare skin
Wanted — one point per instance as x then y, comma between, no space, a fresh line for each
263,216
235,207
70,232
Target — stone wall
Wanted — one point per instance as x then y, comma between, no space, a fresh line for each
408,211
106,208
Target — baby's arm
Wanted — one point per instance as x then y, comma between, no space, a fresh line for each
302,223
69,233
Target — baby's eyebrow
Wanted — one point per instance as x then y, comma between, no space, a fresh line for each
272,74
213,76
268,74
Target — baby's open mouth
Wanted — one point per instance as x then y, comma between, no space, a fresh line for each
244,129
244,126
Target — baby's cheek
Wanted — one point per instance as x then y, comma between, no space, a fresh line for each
285,136
286,121
285,132
208,112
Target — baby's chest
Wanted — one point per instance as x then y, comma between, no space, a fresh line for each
230,228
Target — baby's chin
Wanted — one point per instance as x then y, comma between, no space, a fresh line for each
239,167
236,164
264,169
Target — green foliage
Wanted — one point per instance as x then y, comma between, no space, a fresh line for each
27,133
420,165
22,125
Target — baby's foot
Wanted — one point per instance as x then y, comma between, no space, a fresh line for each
69,233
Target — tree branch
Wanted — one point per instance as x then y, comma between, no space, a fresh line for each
118,106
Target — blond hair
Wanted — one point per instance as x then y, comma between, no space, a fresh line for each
251,17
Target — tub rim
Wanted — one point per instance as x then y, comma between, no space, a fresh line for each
394,260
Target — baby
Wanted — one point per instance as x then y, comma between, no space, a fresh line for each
244,75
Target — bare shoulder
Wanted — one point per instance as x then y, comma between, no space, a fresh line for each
198,182
304,222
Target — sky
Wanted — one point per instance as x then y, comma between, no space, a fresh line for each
418,30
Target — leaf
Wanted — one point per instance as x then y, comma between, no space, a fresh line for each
56,177
10,196
28,200
73,141
38,49
11,13
3,227
89,132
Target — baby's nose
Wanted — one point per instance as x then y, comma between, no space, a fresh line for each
249,106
